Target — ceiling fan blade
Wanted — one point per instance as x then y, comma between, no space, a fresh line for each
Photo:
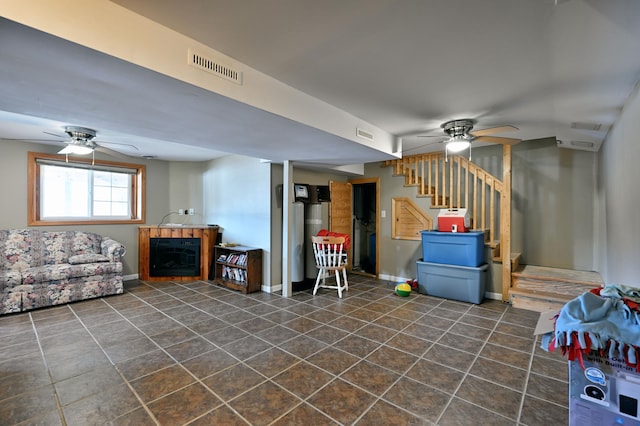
492,130
56,135
496,139
29,140
111,152
119,144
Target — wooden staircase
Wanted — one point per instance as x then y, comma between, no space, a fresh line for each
541,289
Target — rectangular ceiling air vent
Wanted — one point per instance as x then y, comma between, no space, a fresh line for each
212,66
364,134
586,126
582,144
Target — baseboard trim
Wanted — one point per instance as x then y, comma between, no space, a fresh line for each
130,277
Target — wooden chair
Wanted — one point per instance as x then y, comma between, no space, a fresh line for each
330,255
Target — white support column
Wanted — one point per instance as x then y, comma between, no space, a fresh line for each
287,227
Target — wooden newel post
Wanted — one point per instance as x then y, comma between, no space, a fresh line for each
505,222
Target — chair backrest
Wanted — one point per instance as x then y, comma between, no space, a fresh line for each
329,252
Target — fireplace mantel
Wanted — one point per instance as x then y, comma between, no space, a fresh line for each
207,235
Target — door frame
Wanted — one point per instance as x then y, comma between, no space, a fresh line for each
377,182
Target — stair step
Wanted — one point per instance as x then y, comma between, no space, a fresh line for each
540,288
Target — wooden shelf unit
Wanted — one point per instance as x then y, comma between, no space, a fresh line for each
242,262
207,235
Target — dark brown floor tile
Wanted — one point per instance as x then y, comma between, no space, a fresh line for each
502,374
44,418
322,315
14,383
302,379
478,321
162,382
490,396
460,413
380,306
302,324
247,347
470,331
376,333
209,363
184,405
208,325
411,344
137,417
101,408
514,329
437,376
11,352
189,349
342,401
144,364
370,377
27,405
280,316
421,400
277,335
365,314
237,316
302,309
261,309
327,334
17,338
459,307
548,389
450,357
392,359
87,384
52,329
550,367
264,403
507,356
424,331
405,314
61,353
272,362
333,360
383,413
347,323
303,346
461,343
220,416
519,343
358,346
304,414
149,318
77,366
131,349
233,381
173,336
126,334
255,326
538,412
224,336
449,314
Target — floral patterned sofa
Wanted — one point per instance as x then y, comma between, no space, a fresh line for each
43,268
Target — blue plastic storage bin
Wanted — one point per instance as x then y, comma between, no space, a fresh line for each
453,248
462,283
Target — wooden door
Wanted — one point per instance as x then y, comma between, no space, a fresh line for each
341,210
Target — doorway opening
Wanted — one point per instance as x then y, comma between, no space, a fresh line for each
365,226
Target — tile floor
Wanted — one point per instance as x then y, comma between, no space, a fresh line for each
195,353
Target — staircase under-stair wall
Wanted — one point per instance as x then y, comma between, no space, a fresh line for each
455,182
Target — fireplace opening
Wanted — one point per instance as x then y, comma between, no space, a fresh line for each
174,257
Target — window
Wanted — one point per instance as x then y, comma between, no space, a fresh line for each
74,191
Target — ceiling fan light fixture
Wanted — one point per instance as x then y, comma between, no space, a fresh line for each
457,144
76,149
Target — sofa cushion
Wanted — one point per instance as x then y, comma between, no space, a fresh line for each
55,247
85,242
9,278
79,259
66,271
20,248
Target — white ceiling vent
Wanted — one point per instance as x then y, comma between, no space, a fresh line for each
212,66
364,134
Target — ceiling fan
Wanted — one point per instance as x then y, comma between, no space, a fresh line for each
461,136
81,142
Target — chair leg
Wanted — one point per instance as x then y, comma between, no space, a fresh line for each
346,283
338,283
320,273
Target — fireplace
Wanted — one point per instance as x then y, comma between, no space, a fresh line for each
174,257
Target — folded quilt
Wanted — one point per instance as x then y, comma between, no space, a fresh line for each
591,322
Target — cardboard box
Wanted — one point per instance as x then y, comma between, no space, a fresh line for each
605,392
460,249
462,283
453,220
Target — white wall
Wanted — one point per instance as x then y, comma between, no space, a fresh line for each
618,196
237,197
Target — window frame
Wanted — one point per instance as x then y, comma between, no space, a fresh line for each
137,187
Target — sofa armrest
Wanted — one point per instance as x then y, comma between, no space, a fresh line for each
112,249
